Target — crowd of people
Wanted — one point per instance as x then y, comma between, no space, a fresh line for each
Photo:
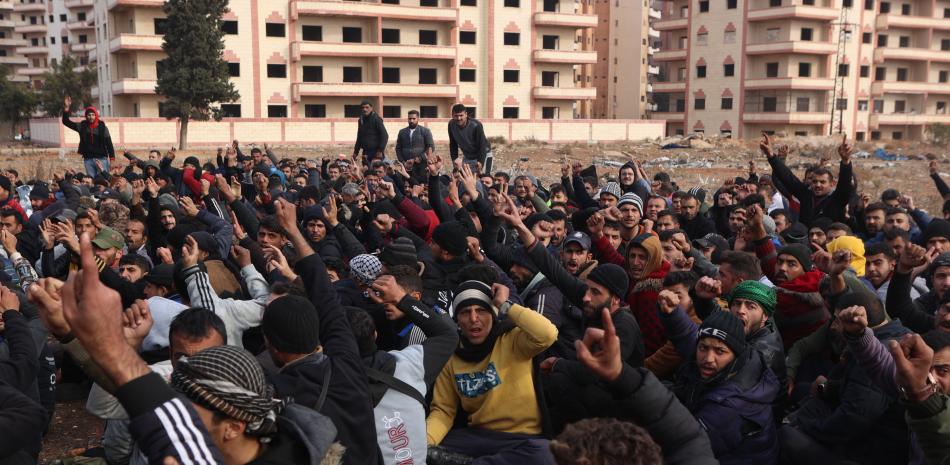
361,310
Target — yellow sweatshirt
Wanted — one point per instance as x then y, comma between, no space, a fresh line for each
497,392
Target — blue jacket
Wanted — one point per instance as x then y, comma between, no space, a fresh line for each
736,412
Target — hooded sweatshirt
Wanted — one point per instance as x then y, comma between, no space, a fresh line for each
643,293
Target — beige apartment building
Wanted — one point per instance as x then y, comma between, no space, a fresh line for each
513,59
35,34
624,42
872,69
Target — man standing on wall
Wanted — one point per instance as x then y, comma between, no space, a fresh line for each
468,135
414,146
95,143
371,137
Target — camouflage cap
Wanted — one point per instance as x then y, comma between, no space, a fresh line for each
114,215
109,238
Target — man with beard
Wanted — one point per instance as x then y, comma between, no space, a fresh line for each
927,311
726,385
874,217
691,220
327,236
800,307
414,146
490,377
824,196
754,304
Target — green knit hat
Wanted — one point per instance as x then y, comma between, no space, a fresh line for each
756,292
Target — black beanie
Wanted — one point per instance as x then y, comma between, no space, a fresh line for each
520,257
451,236
797,233
291,325
612,277
387,207
536,218
800,252
580,217
821,222
937,228
727,328
401,251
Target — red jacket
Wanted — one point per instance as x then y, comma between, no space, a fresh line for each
642,301
800,309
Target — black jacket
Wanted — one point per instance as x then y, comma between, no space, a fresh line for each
18,373
643,400
917,315
408,148
470,140
21,427
371,137
348,401
830,206
95,143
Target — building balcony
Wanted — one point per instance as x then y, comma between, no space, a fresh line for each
908,87
794,83
653,33
670,55
79,3
877,119
652,50
921,54
889,20
794,11
366,89
18,78
371,10
31,71
6,5
653,69
320,49
804,47
14,60
30,29
564,93
24,7
128,86
13,43
113,4
654,13
37,50
649,88
7,23
669,86
670,24
786,118
572,20
574,57
80,48
674,117
79,25
135,42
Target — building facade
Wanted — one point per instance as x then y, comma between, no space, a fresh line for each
318,59
624,42
39,33
871,69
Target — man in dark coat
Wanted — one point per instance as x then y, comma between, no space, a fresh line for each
414,146
727,387
95,143
371,137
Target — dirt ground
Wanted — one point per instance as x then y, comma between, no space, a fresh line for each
707,166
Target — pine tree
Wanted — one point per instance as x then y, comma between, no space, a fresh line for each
194,77
16,100
61,80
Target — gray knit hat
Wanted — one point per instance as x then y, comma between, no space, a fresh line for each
613,189
631,198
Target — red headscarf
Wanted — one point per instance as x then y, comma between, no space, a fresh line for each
95,122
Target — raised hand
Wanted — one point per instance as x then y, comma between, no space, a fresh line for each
388,290
331,212
190,252
912,256
46,295
474,249
933,166
853,320
165,255
708,288
913,359
224,188
9,241
765,145
67,103
599,350
46,234
840,262
287,216
845,150
469,181
595,225
137,322
277,261
188,206
507,211
240,255
8,299
667,301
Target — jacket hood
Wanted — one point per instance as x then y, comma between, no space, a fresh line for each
651,244
308,432
808,282
893,329
95,121
753,383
